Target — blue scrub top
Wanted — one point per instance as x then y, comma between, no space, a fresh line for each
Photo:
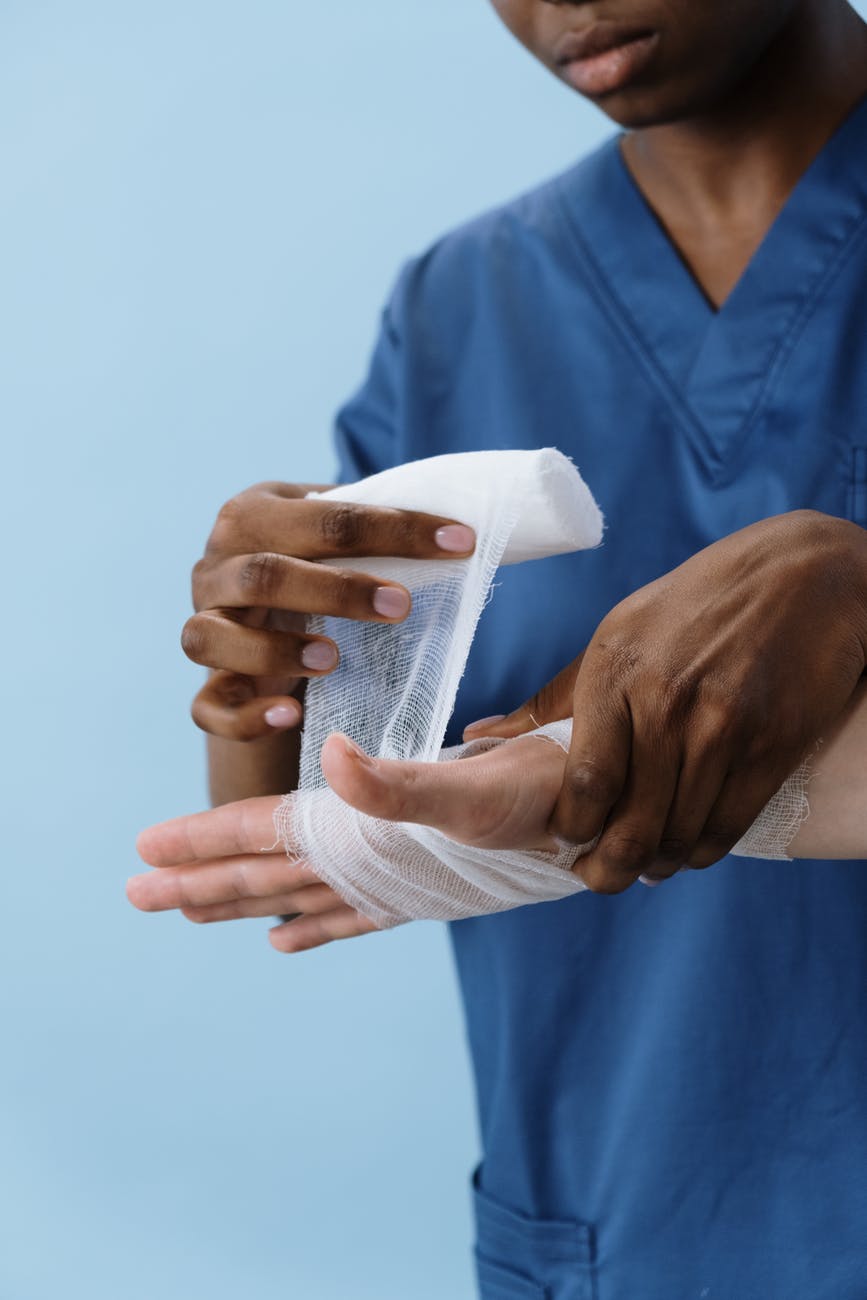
672,1083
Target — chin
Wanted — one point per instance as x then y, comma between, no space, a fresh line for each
642,107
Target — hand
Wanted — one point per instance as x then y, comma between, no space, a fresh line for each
699,694
223,865
259,579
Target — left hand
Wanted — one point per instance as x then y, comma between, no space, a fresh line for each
700,693
224,864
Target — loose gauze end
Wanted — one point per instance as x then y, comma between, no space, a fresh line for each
395,687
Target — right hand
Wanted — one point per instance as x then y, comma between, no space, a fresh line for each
258,580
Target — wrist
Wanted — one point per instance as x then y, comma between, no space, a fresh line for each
841,546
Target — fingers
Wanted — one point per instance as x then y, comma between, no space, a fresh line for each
702,776
216,639
263,521
234,828
308,900
267,579
308,932
739,802
630,841
228,705
214,883
550,704
598,762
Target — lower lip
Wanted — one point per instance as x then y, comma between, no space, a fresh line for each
614,70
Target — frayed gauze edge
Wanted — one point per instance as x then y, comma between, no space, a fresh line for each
395,688
424,875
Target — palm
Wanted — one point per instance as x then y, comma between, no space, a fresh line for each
224,864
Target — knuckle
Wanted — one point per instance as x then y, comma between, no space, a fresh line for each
601,880
194,640
586,783
342,526
200,714
616,642
731,710
405,532
228,520
227,722
260,577
345,591
623,854
678,688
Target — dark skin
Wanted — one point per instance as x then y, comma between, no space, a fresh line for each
674,751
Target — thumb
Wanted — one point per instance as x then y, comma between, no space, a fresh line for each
550,704
488,800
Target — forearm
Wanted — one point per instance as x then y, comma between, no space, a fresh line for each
837,791
241,770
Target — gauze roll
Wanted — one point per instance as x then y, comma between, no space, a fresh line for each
395,687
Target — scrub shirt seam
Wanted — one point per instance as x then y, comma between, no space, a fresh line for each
616,310
788,340
618,313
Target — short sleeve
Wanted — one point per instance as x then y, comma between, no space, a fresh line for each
367,427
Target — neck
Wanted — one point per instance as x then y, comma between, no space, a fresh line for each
746,154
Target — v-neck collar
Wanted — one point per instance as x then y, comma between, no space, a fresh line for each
717,365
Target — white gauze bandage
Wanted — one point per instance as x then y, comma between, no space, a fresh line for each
770,834
395,687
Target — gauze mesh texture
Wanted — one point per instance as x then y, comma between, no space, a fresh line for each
395,872
395,687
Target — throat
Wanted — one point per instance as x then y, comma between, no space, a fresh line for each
718,249
718,182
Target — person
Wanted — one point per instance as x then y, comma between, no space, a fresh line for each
670,1082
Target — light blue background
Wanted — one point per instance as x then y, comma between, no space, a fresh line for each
202,208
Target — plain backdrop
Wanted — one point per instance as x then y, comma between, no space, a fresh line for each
202,208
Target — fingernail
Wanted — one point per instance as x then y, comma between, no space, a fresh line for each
281,715
485,722
356,752
651,884
318,655
455,537
391,602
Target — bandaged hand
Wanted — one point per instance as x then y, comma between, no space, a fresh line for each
225,864
699,694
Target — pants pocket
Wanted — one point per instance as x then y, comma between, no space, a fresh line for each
496,1282
523,1258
